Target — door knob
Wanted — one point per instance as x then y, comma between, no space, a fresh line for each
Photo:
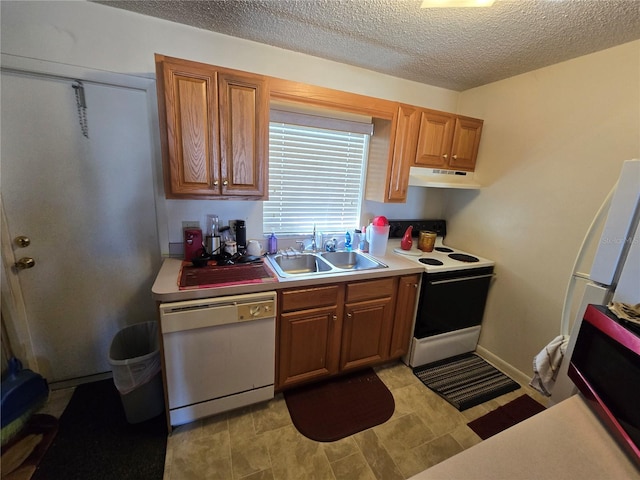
24,263
22,241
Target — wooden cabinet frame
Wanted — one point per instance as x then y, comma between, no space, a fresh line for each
214,126
326,330
447,141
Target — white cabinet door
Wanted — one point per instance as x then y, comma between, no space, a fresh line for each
88,207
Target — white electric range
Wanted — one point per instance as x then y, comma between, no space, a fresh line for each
453,294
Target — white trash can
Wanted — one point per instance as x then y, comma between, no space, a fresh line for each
134,356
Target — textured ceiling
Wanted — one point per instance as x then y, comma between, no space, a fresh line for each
458,48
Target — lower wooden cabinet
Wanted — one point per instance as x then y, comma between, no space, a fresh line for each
405,311
323,331
309,327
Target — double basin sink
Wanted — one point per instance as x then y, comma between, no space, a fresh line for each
306,263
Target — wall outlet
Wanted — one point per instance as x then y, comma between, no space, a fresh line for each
190,224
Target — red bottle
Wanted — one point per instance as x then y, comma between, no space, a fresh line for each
407,242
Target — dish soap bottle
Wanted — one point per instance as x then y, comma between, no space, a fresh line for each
272,244
347,242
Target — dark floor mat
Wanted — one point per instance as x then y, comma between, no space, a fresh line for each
505,416
337,408
465,380
94,440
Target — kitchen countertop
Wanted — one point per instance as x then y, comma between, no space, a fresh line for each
165,287
565,441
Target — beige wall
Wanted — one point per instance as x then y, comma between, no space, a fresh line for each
552,146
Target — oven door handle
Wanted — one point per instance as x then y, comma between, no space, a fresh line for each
463,279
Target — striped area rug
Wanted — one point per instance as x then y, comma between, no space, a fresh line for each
465,380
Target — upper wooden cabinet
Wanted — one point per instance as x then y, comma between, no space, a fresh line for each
403,152
447,141
392,150
214,128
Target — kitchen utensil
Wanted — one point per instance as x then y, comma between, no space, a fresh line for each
225,234
407,242
212,225
426,240
377,237
254,247
231,247
192,243
248,259
213,244
241,235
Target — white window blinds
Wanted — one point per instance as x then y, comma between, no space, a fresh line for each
315,177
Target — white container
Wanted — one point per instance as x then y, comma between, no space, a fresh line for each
377,237
254,247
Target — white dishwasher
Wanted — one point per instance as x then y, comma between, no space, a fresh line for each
219,354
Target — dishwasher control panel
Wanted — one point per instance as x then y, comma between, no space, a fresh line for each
256,310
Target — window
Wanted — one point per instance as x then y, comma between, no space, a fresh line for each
316,173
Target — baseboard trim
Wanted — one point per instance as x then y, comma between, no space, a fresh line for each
507,368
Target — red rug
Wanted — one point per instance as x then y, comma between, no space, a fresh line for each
336,408
505,416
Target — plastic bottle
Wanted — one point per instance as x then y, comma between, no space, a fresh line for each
347,242
272,246
364,245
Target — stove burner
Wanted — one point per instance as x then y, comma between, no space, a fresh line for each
444,249
461,257
430,261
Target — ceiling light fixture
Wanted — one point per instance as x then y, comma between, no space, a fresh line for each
455,3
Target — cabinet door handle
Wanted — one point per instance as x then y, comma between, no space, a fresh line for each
349,315
462,279
415,285
335,317
215,184
445,156
455,157
225,183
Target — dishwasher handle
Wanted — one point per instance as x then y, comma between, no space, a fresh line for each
178,320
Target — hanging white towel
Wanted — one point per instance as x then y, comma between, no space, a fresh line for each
547,363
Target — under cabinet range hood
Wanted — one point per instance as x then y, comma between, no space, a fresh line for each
439,178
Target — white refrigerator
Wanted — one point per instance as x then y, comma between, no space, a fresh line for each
615,271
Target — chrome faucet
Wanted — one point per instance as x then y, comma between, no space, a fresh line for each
314,247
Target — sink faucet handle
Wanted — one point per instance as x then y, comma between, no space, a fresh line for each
314,246
301,243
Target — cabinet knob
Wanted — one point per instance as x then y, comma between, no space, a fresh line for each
445,156
215,184
415,285
335,317
24,263
225,183
349,315
22,241
455,157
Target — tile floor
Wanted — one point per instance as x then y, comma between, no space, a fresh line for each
260,442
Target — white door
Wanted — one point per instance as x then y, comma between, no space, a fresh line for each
88,207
